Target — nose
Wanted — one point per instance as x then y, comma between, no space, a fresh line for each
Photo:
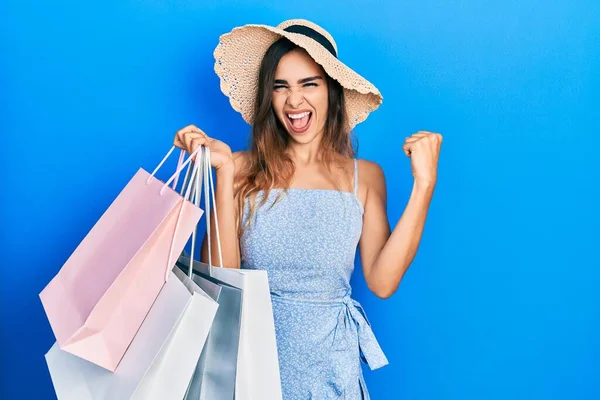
295,99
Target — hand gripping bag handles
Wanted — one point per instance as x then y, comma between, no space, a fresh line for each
162,357
257,370
99,298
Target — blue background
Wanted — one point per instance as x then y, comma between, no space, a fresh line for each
502,299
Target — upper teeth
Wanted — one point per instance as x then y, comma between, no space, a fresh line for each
301,115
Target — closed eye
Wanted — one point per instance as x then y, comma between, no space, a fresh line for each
306,82
310,84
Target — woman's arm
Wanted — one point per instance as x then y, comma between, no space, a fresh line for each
386,257
226,165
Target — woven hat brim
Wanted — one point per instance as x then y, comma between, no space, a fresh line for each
240,52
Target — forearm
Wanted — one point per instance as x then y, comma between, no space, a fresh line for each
400,249
227,226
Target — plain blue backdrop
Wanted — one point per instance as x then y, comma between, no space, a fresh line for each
502,300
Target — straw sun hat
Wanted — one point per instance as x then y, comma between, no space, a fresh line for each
239,54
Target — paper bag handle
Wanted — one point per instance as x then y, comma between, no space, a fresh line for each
205,181
187,189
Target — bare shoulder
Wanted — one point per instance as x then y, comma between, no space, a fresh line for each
370,173
371,181
240,156
240,161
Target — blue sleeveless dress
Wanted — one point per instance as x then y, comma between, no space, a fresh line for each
307,244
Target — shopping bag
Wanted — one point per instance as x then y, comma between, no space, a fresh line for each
257,372
99,298
214,377
162,357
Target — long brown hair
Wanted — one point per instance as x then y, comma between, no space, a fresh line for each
268,165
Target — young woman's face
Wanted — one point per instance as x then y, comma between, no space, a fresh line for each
300,96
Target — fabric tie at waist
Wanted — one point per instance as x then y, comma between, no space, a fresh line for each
354,319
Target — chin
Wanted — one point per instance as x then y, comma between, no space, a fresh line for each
305,137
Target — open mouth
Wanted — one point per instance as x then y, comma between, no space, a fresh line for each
299,122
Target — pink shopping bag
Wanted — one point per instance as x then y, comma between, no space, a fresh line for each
100,297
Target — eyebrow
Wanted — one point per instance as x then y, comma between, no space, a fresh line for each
301,81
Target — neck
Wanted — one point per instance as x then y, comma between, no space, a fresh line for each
306,153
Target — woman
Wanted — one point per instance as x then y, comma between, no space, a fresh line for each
298,202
